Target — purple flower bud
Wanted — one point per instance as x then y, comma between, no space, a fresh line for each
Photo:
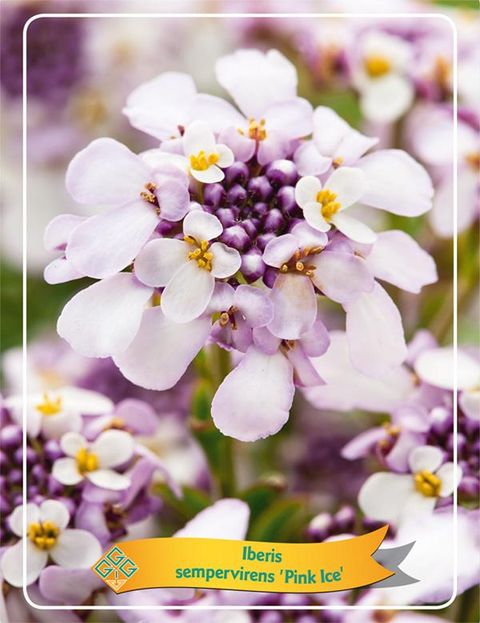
4,462
263,240
286,201
261,208
469,487
14,476
320,526
10,437
260,189
38,499
236,195
4,506
281,172
17,500
345,519
252,265
236,174
226,216
32,491
38,474
236,237
251,226
164,228
274,221
54,487
69,504
213,195
269,276
52,450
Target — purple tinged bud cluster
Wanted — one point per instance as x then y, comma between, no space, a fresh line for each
326,525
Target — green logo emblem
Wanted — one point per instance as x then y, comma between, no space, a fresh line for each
115,568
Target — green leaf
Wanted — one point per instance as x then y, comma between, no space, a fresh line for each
283,521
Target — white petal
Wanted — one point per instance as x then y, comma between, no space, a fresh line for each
56,512
159,260
309,160
60,270
72,442
198,137
113,447
387,99
469,402
425,458
436,367
12,563
348,183
353,229
313,215
212,175
108,479
76,549
306,190
85,401
295,306
58,230
54,426
225,156
202,226
66,471
450,475
280,250
15,520
383,496
329,130
217,112
226,519
226,261
189,292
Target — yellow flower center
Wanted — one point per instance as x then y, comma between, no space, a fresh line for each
43,534
86,461
427,484
329,207
256,129
299,262
200,253
473,161
377,66
202,161
49,406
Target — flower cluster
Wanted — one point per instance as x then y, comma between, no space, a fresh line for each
236,230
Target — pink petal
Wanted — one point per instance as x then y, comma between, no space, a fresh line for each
310,161
161,351
304,373
254,305
102,320
280,250
217,112
341,276
397,258
375,333
316,341
295,306
254,400
159,260
106,173
106,243
60,271
389,172
202,226
59,229
274,147
292,118
226,261
188,293
173,198
242,146
226,519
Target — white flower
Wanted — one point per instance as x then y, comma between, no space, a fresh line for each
381,77
206,159
436,367
94,460
188,268
324,206
55,412
396,497
47,537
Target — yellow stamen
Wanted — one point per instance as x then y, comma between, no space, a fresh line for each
49,406
256,129
43,534
329,207
86,461
148,195
202,161
377,66
473,161
337,162
427,484
200,254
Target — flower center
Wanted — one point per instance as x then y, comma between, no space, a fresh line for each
377,65
329,207
202,161
298,263
427,484
256,129
148,195
200,254
49,406
43,534
86,461
473,161
228,317
383,616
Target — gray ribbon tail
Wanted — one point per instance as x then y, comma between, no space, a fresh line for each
390,559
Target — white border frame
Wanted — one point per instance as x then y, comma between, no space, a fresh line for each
24,293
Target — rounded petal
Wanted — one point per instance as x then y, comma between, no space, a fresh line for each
225,156
159,106
469,402
307,189
389,172
316,341
202,226
72,442
308,237
188,293
54,426
159,260
309,161
56,512
102,320
437,367
397,258
86,401
58,230
349,184
254,400
106,243
113,447
12,563
60,271
425,458
226,519
280,250
312,213
450,476
226,261
274,147
294,306
341,276
108,479
241,145
106,173
375,333
386,99
66,471
383,496
216,112
353,228
15,520
162,350
254,305
198,137
292,118
173,199
70,586
76,549
212,175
